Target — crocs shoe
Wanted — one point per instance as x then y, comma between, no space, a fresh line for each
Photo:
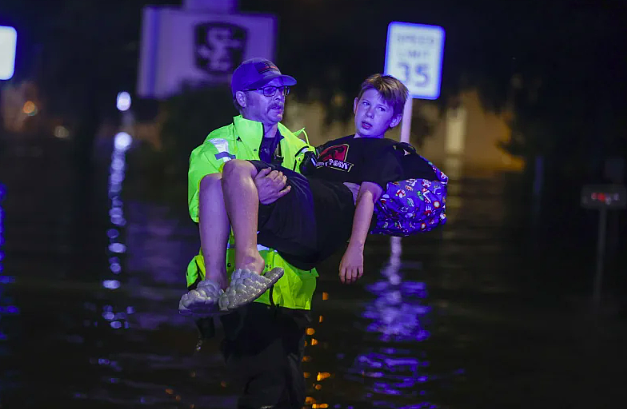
246,286
203,301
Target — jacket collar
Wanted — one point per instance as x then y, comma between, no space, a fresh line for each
248,132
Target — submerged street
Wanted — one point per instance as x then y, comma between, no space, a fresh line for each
478,314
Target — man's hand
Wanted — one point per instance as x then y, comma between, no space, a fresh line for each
352,265
271,185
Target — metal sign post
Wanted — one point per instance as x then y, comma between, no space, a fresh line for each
414,55
604,198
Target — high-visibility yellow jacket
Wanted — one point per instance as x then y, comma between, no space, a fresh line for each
241,140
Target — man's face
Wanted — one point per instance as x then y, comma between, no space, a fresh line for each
373,116
267,110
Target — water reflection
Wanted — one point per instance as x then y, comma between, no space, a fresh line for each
398,315
117,318
106,311
2,192
117,173
6,309
7,377
147,360
107,334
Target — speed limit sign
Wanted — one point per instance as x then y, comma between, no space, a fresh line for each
414,56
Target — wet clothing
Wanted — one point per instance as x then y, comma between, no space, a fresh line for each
263,349
267,362
264,340
315,218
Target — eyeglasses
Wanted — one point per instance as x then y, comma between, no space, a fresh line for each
271,91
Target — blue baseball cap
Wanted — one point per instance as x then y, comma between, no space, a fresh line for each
255,73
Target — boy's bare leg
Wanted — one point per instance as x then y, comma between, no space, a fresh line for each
214,228
242,206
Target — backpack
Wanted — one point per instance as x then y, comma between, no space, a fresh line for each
411,206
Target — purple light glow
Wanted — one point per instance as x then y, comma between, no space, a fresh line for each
117,248
111,284
9,309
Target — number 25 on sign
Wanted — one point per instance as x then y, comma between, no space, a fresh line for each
414,56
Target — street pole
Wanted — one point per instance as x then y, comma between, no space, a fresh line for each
395,242
406,122
598,279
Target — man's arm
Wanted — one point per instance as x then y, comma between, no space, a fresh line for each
271,185
352,264
201,164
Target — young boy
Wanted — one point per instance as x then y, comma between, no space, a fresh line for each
331,204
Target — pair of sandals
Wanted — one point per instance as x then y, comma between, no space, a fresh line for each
208,299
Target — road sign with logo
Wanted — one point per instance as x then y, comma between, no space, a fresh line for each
195,48
219,47
414,56
8,42
604,196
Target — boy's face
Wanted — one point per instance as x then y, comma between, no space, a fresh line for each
373,116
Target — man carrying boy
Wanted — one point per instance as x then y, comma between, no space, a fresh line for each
332,205
264,341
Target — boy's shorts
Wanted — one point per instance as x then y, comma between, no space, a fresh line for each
289,224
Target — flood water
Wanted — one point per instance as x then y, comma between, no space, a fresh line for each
481,314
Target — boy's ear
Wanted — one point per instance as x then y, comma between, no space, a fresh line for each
240,97
396,120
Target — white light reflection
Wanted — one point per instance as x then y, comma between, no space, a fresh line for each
117,248
123,102
115,316
111,284
122,142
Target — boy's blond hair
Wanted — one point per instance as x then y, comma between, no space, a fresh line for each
393,92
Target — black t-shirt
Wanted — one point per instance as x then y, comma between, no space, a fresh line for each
354,160
269,149
359,160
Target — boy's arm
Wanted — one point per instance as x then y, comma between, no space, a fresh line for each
352,264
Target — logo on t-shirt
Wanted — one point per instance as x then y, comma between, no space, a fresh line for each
334,157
